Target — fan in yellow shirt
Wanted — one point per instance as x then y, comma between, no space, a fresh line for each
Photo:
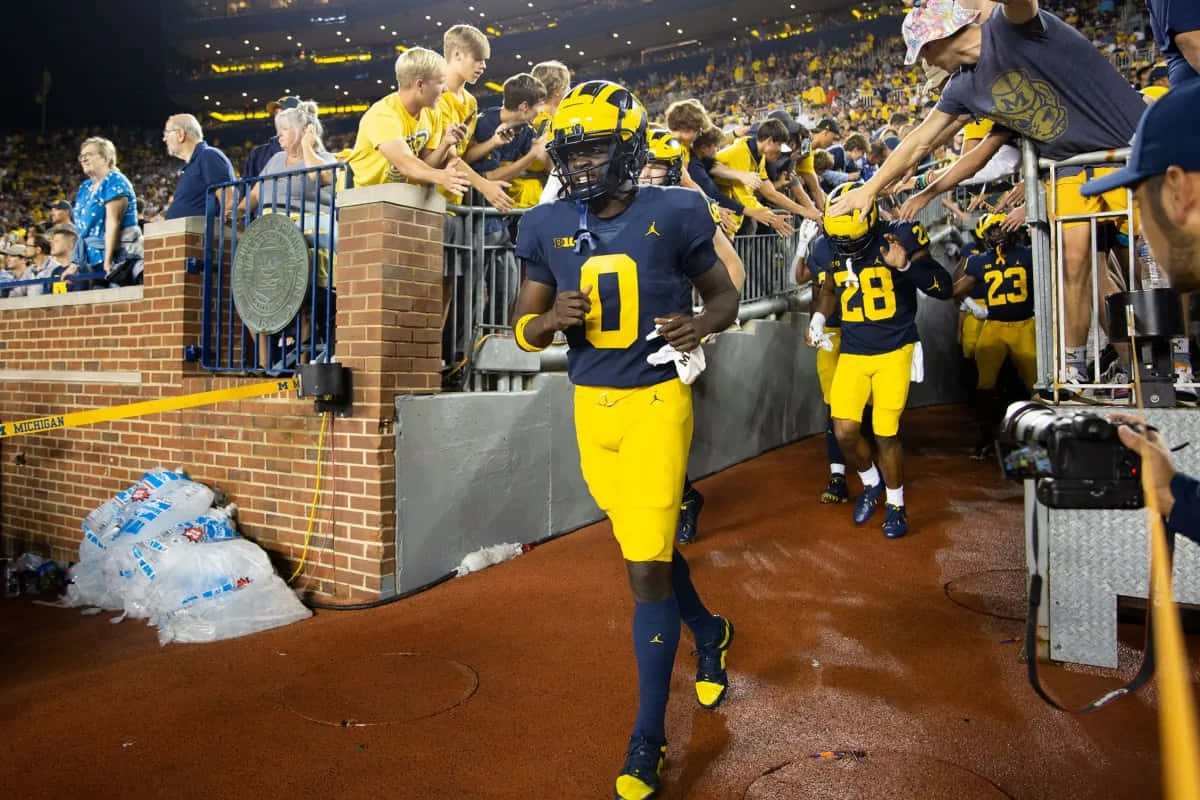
466,52
399,132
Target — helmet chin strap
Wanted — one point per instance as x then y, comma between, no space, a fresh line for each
583,235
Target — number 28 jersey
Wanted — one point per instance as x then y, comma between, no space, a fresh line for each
879,314
1006,278
641,268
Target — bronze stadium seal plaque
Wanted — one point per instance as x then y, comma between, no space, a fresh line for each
270,273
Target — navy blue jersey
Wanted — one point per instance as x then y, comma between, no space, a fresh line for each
820,263
879,314
974,248
641,268
1006,278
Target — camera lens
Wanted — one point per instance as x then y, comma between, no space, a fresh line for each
1028,422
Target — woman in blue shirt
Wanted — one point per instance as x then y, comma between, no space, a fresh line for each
106,216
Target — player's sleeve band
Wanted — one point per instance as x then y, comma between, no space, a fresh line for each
519,334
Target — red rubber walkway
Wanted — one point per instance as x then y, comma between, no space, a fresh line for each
518,682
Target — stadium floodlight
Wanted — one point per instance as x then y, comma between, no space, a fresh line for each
393,33
428,17
383,27
207,45
289,37
733,19
679,30
245,41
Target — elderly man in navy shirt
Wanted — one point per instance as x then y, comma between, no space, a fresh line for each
204,167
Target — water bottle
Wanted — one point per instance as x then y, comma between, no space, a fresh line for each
1152,276
12,580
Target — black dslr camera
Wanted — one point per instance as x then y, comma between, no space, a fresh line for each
1078,460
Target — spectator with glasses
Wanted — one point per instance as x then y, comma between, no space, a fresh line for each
205,166
106,216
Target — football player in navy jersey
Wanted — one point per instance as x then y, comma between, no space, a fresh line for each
664,167
877,268
1003,270
612,265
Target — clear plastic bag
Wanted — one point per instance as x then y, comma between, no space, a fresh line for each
256,607
102,524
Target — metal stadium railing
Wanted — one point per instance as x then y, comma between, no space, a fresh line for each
227,344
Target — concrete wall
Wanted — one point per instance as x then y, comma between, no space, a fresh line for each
477,469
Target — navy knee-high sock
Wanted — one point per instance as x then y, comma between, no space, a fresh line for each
832,448
700,622
655,640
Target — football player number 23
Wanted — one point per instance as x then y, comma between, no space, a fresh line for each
612,322
873,299
1015,279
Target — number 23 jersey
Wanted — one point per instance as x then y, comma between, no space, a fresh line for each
879,315
641,268
1005,277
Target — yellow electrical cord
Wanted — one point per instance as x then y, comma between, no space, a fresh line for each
312,512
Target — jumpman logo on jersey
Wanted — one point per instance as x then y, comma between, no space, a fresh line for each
936,286
655,398
657,639
653,230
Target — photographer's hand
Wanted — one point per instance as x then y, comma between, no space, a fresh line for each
1151,448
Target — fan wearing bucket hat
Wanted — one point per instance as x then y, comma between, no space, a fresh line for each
1036,77
1164,173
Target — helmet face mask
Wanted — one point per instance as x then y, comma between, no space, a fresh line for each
665,165
990,231
599,142
849,234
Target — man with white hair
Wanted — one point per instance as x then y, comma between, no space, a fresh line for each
205,166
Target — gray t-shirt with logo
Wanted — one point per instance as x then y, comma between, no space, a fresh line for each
1045,81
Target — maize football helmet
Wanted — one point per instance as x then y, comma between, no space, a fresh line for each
848,233
666,150
594,114
989,231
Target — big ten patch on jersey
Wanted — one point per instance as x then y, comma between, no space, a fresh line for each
1006,276
639,268
878,303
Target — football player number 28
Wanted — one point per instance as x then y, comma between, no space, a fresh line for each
873,299
612,322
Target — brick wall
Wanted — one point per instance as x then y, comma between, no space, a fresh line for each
63,353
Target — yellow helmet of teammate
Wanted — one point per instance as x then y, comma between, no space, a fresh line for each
989,231
850,234
593,116
665,149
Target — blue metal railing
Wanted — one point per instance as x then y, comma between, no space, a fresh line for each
226,344
47,283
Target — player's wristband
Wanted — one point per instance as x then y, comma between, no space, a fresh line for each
519,334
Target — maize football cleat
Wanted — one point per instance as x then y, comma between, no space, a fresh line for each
837,491
864,504
689,515
711,679
896,524
640,777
